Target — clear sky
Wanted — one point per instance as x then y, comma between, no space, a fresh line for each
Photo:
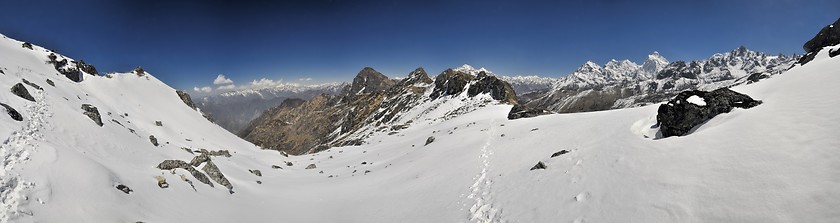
188,43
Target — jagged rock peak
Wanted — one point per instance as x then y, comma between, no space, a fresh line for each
466,68
589,67
828,36
370,81
417,76
654,63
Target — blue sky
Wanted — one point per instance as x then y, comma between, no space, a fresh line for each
188,43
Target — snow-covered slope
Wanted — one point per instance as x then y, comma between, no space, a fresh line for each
776,162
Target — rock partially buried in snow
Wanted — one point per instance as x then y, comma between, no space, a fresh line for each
14,114
19,90
520,111
311,166
92,113
561,152
213,171
153,140
124,189
256,172
185,98
540,165
689,109
429,140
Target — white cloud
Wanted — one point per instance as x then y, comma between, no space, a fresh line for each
264,83
222,80
205,89
305,79
226,87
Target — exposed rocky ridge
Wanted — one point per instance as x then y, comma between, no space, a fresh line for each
681,115
623,84
368,105
828,36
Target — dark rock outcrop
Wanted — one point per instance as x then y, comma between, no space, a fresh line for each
561,152
213,171
124,189
173,164
14,114
429,140
679,116
153,140
540,165
87,68
369,81
311,166
450,82
92,113
27,45
828,36
185,98
19,90
522,111
498,89
50,82
256,172
33,85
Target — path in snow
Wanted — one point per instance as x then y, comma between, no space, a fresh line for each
15,150
482,209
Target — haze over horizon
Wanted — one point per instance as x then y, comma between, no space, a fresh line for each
187,44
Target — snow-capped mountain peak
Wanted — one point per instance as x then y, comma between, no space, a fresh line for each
654,63
466,68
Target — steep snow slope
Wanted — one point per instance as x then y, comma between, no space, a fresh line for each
772,163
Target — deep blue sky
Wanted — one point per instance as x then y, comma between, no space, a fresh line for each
187,43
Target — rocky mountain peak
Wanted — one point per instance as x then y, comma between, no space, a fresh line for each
654,63
417,76
828,36
369,81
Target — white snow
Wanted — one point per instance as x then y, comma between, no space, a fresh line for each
776,162
697,100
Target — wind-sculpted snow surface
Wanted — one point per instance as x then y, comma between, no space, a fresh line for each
776,162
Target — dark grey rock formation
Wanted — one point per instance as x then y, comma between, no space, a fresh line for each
561,152
213,171
27,45
153,140
429,140
450,82
198,160
124,189
19,90
32,85
497,88
828,36
540,165
14,114
173,164
369,81
92,113
256,172
678,117
186,98
521,111
50,82
311,166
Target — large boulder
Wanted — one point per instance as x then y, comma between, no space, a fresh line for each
19,90
689,109
521,111
14,114
173,164
828,36
92,113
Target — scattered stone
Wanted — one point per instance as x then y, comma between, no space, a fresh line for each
124,189
535,129
259,182
185,179
503,135
679,116
213,171
153,140
158,123
276,167
187,149
14,114
223,152
50,82
561,152
27,45
19,90
139,71
363,163
429,140
161,181
311,166
321,171
256,172
367,171
540,165
288,163
92,113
